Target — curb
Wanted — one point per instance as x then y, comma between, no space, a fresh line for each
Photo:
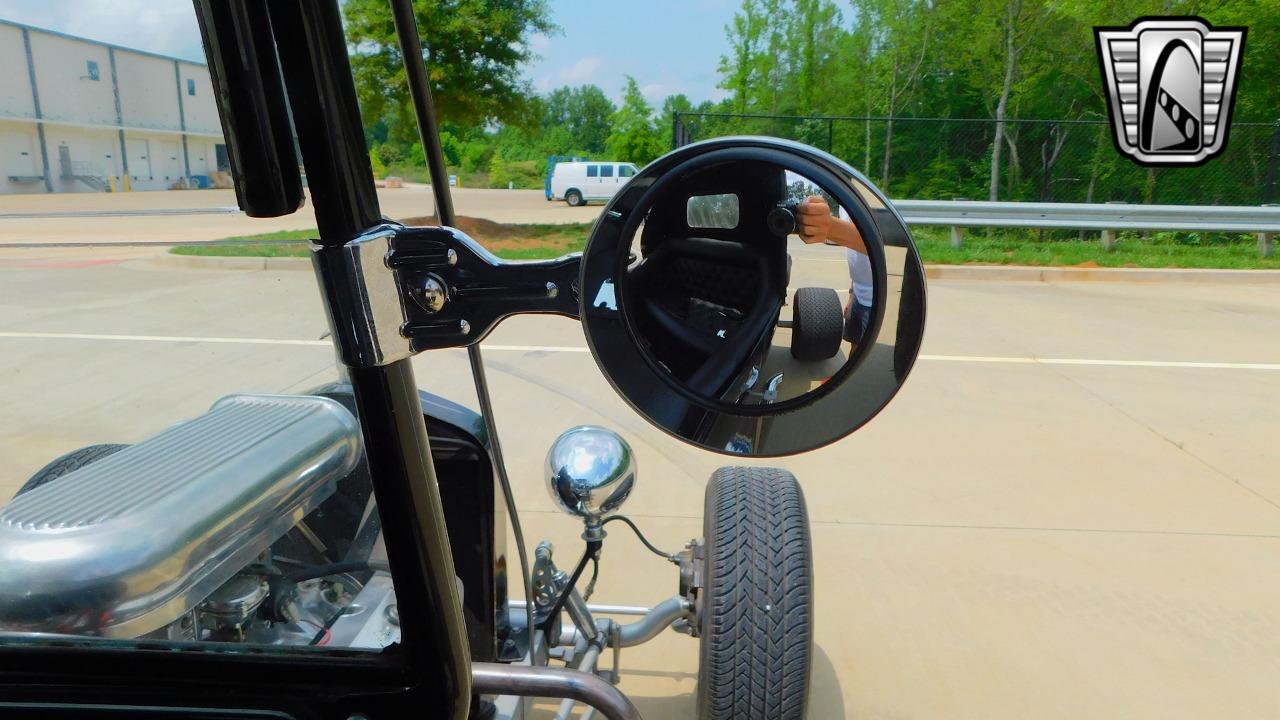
1023,273
202,262
997,273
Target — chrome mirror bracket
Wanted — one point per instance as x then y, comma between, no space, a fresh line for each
426,288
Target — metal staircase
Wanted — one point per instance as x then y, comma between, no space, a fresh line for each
87,173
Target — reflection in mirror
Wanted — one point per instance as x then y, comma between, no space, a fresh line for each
745,312
713,211
770,324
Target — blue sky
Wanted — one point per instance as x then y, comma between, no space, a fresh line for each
669,46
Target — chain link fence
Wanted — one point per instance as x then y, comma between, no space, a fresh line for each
1043,160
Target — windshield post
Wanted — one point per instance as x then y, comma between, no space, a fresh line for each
322,95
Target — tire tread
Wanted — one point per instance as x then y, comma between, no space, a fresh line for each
68,463
755,662
817,324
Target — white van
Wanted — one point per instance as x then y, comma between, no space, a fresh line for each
578,182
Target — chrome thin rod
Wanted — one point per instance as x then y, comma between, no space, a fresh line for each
415,68
589,689
500,467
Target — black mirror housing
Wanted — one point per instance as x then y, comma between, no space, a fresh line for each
252,104
726,328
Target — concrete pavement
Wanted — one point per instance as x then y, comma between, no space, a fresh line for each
1007,540
44,218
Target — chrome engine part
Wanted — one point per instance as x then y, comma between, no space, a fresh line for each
372,620
335,611
158,536
226,613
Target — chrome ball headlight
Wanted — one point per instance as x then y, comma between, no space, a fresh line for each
590,472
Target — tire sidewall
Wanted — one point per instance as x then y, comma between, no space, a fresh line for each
710,523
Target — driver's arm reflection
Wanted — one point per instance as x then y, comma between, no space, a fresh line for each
816,224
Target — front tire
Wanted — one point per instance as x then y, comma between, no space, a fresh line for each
574,198
756,604
71,461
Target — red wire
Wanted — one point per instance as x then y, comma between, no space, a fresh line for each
327,635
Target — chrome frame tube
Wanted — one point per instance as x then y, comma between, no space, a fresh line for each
655,620
523,681
585,664
599,609
659,619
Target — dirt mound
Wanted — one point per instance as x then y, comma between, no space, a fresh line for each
475,227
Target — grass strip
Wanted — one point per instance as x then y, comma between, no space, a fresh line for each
1159,250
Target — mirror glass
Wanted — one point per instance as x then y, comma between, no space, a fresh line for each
751,297
757,312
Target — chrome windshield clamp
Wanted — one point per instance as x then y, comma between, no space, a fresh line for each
422,288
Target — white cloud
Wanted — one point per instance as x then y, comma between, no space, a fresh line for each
539,42
159,26
586,70
655,92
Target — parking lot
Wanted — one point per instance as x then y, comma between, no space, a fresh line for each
1072,509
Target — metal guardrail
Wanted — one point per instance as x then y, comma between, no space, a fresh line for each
1109,218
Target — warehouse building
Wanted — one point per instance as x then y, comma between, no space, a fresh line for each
78,115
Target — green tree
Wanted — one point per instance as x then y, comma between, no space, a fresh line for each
475,155
498,174
737,69
375,161
585,112
814,35
678,103
474,53
635,138
452,148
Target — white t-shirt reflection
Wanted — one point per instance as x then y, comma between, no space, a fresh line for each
860,282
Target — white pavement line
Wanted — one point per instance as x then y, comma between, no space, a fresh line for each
1105,363
252,341
226,210
162,338
989,359
536,348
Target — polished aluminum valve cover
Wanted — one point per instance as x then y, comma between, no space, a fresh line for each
132,542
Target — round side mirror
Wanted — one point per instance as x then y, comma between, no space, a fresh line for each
718,313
